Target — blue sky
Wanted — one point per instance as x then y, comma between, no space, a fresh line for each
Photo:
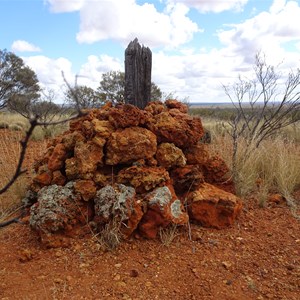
197,45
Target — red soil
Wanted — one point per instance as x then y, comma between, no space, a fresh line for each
258,258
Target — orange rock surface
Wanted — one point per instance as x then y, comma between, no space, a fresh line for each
129,145
213,207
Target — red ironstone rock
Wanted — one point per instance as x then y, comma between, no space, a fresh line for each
58,178
215,170
168,156
197,154
213,207
129,145
155,107
180,129
126,115
86,188
88,156
143,178
172,103
187,178
163,208
57,159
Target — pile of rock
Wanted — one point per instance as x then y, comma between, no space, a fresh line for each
145,168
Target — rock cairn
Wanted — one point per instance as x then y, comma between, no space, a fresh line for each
145,168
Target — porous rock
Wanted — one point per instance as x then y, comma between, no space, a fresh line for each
155,107
168,156
88,156
57,158
57,210
127,115
163,208
215,170
143,178
44,176
102,128
129,145
118,202
213,207
187,178
197,154
86,188
179,129
69,140
58,178
172,103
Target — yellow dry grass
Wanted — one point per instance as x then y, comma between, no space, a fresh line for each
9,155
275,164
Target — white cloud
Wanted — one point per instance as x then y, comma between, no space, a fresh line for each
91,72
49,72
23,46
277,6
58,6
267,32
215,6
124,20
198,76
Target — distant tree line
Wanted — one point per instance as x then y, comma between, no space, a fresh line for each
20,91
111,88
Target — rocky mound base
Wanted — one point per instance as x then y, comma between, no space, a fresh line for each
144,168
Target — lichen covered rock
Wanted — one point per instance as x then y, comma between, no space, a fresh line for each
118,202
57,211
163,208
114,201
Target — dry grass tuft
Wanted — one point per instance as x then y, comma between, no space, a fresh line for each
273,167
110,236
9,154
168,234
42,133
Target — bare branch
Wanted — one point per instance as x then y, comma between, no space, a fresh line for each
34,122
263,106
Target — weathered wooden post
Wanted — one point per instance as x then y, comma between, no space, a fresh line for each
138,63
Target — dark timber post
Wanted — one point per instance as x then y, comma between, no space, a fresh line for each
138,63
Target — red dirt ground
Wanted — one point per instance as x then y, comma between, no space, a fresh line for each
257,258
